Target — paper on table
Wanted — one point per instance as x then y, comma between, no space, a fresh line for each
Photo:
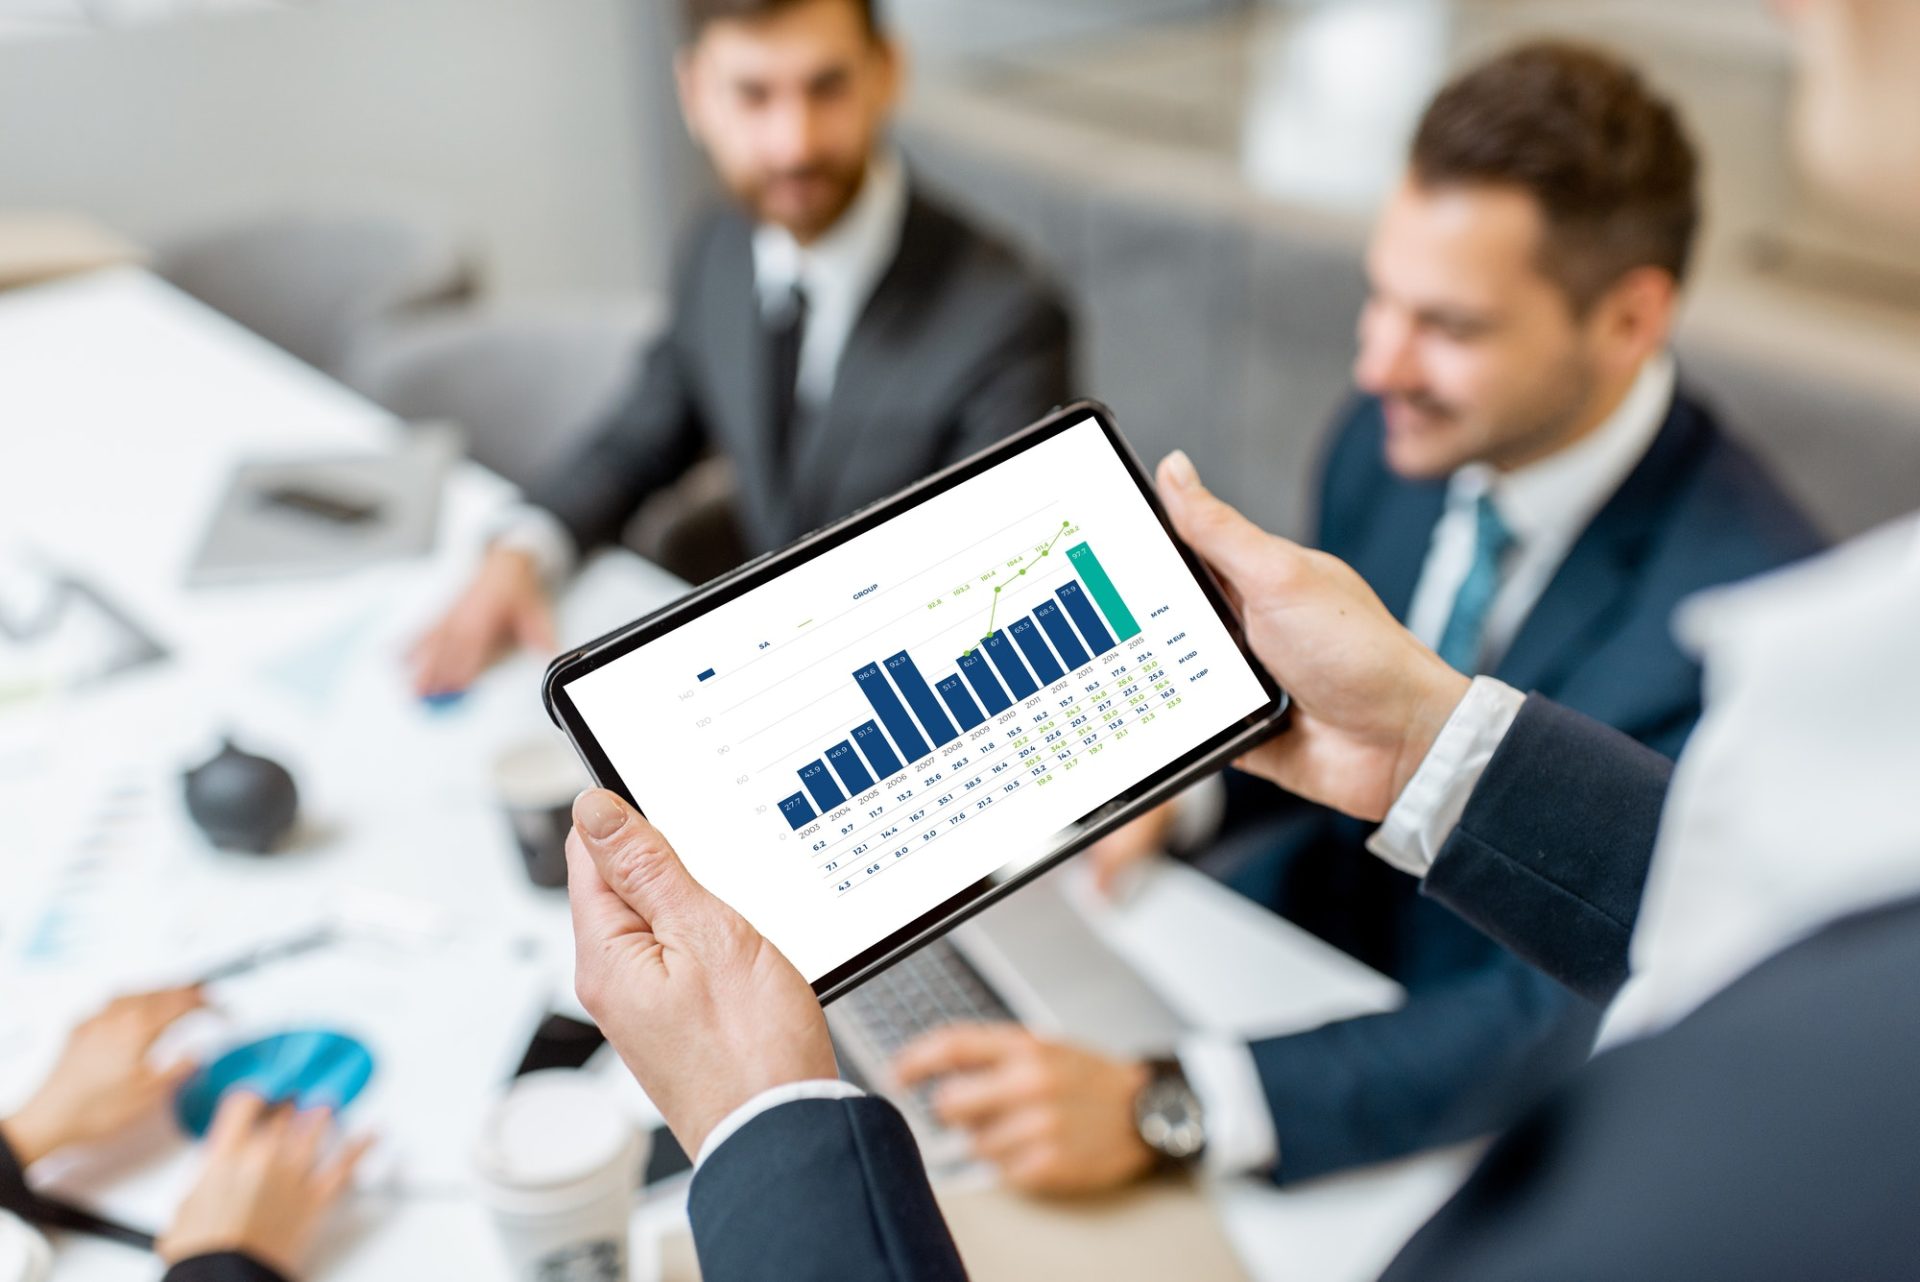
446,1030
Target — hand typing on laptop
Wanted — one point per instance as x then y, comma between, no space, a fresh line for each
1054,1118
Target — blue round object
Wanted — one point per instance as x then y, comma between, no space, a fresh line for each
308,1068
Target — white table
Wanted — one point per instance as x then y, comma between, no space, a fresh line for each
123,405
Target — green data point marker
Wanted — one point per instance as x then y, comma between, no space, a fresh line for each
996,590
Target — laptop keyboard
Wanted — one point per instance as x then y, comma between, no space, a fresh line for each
934,987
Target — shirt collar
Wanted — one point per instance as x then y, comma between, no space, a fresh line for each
1555,497
847,259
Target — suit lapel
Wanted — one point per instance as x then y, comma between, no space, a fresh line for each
743,403
870,367
1394,550
1600,566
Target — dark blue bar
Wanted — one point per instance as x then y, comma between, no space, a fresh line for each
825,795
920,698
893,713
1031,644
973,666
799,814
879,752
704,675
1071,651
965,710
1087,617
847,766
1000,650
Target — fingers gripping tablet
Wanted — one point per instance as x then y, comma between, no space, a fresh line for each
861,740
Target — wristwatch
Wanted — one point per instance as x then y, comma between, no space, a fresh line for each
1168,1115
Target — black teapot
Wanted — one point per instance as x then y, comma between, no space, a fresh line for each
242,802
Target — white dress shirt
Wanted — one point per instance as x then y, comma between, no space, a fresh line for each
838,273
1545,506
1793,802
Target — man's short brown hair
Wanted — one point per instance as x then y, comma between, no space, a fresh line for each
701,12
1576,128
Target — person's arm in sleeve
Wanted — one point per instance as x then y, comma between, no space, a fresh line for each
1540,821
828,1189
1454,1062
1550,855
1026,375
796,1176
646,442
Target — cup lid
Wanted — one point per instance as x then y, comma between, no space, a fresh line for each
552,1127
538,772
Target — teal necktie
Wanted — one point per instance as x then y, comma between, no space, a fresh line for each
1461,643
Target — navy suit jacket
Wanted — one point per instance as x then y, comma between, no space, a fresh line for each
1482,1034
1769,1136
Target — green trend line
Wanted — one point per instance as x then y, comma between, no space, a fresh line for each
994,612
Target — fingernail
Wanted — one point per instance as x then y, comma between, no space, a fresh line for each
599,813
1179,469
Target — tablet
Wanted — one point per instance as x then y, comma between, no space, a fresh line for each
862,740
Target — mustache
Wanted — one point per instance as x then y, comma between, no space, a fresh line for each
806,173
1423,403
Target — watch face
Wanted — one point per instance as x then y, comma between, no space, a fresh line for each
1170,1120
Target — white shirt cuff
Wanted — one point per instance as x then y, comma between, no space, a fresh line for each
771,1098
1434,799
539,534
1240,1134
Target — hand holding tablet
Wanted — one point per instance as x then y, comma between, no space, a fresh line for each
863,739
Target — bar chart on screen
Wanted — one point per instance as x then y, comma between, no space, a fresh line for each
927,701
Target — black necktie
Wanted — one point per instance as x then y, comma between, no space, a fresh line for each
785,330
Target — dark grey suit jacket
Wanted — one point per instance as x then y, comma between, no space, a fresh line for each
960,345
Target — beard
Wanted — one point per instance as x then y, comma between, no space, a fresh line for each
806,200
1429,437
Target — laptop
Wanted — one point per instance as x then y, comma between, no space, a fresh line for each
1033,958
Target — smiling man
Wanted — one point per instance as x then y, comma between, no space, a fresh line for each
835,332
1526,485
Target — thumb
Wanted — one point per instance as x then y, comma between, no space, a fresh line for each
1234,546
633,859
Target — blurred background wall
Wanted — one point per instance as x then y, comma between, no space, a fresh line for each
542,130
1200,173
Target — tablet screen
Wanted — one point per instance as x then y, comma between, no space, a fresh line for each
929,705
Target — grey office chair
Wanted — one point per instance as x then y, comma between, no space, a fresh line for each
522,385
311,282
525,387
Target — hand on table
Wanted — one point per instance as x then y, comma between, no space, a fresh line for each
267,1187
1368,697
1053,1118
505,605
103,1081
1119,852
704,1011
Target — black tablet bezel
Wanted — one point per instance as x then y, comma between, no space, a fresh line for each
1164,783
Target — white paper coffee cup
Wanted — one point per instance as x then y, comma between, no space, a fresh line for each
536,781
558,1160
24,1254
